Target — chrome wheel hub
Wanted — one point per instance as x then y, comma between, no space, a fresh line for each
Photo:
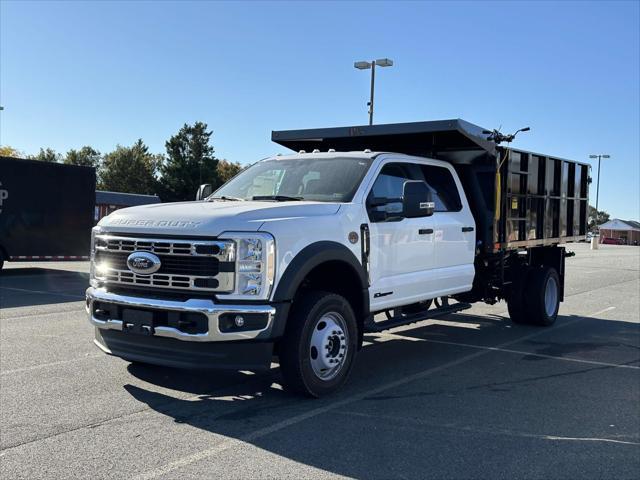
329,345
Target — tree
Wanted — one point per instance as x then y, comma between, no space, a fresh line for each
227,170
46,155
189,163
86,156
8,151
130,169
597,218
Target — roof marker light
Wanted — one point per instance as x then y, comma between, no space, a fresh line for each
316,150
331,150
302,151
367,150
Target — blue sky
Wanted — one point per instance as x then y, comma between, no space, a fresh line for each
107,73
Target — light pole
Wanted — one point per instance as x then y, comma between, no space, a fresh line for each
599,157
381,62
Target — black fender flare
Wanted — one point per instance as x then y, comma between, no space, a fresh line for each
302,264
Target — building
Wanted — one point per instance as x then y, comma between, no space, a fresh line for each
107,202
626,231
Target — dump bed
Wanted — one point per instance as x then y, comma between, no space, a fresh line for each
518,198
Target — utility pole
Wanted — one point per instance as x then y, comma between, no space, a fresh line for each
599,157
382,62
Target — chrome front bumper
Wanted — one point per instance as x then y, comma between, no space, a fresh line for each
207,307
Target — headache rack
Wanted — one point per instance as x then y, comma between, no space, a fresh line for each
518,198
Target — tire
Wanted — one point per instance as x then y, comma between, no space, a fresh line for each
542,298
515,302
319,323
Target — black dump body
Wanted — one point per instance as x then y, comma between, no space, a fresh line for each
518,198
46,209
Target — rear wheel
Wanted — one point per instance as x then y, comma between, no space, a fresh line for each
319,345
516,301
542,299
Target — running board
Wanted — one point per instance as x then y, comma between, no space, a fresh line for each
375,327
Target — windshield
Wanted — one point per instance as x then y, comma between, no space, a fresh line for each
317,179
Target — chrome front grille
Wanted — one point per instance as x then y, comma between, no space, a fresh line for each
223,251
201,265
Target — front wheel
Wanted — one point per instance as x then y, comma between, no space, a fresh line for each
319,345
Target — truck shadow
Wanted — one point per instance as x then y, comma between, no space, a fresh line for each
254,409
21,287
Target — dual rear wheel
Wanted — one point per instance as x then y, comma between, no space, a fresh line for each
535,298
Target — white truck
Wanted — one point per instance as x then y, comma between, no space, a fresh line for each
297,255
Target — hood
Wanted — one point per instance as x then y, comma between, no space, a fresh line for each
209,218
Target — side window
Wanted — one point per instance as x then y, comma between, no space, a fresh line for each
443,187
389,184
390,181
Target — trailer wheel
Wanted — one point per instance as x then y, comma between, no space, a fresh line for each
319,345
515,302
542,298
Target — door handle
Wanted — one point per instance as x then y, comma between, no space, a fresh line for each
467,229
425,231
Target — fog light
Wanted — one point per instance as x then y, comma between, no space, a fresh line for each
245,322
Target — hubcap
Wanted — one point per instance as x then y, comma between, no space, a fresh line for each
329,345
551,296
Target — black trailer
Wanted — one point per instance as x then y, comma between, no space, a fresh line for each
523,202
46,210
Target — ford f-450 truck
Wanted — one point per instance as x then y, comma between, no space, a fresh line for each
298,255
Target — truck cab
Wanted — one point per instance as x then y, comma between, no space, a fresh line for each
294,258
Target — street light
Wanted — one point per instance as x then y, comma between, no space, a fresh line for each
381,62
599,157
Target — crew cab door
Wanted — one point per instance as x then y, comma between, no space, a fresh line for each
402,250
454,230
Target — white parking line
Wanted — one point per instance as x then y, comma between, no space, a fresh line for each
50,364
411,423
394,336
256,434
589,439
41,314
531,354
56,294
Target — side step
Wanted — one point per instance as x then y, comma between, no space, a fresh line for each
374,327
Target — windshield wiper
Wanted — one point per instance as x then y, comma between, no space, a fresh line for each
224,197
277,198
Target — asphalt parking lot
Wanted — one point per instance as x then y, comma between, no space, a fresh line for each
468,396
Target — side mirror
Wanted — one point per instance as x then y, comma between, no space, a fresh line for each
385,209
417,200
204,191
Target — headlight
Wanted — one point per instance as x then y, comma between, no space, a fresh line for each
255,265
92,265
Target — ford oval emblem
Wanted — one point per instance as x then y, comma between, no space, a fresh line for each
143,263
